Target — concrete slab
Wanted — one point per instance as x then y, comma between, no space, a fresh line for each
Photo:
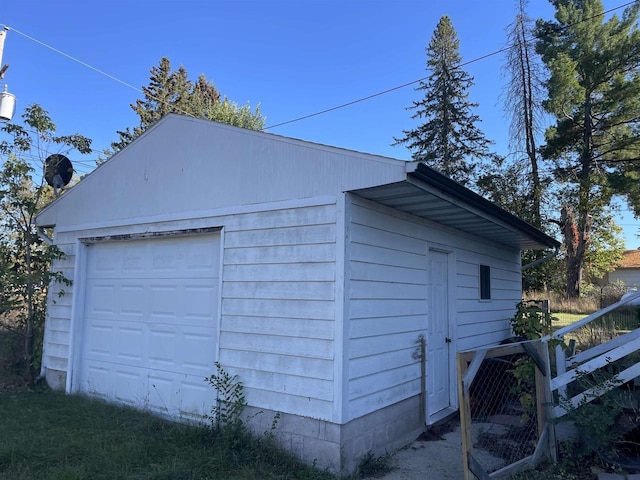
436,459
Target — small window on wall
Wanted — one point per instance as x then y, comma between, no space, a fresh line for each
485,282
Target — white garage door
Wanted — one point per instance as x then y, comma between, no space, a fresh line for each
150,330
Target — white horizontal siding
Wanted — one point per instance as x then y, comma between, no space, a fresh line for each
298,272
486,322
57,336
296,327
388,287
277,324
278,307
387,310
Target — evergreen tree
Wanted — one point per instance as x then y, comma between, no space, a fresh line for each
594,95
448,140
172,92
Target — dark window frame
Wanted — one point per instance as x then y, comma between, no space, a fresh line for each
485,282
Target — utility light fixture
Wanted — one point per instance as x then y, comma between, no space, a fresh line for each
7,100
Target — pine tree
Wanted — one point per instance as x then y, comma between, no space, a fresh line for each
448,139
172,92
594,95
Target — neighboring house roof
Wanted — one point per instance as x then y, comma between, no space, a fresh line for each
630,259
188,164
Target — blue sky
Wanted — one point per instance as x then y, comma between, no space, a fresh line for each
293,57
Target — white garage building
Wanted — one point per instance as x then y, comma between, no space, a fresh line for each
309,271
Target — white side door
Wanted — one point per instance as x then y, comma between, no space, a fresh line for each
438,334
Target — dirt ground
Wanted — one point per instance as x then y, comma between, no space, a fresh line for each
9,381
435,455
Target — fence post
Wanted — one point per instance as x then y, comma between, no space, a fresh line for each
546,307
544,400
561,368
465,415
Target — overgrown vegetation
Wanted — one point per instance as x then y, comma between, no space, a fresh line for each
596,414
606,418
228,417
592,298
25,259
372,466
531,321
55,436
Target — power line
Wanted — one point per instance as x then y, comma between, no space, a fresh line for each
95,69
304,117
73,58
337,107
477,59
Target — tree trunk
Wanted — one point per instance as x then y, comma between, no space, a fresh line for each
571,242
29,333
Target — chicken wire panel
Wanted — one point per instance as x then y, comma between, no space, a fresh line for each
500,408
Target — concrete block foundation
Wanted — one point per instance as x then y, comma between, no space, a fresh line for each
340,448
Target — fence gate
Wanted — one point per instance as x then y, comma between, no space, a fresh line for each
504,405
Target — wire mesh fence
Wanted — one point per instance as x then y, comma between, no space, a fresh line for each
501,394
612,324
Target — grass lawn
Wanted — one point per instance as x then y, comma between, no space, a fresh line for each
49,435
564,319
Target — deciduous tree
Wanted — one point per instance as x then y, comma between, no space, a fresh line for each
24,270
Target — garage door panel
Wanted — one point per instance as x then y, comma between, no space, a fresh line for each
185,257
130,385
98,380
196,397
200,300
195,359
116,342
162,347
183,304
161,393
99,341
150,329
105,263
130,344
100,300
132,300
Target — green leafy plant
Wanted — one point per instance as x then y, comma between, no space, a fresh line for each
231,402
25,264
374,466
596,414
530,320
229,423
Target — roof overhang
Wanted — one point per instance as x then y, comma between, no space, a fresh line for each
431,195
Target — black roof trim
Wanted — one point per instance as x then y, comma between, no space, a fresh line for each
443,183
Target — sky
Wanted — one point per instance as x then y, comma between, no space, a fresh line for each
86,61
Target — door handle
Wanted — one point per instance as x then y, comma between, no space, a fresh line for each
447,340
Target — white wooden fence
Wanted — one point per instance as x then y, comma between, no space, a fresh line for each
549,389
591,360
